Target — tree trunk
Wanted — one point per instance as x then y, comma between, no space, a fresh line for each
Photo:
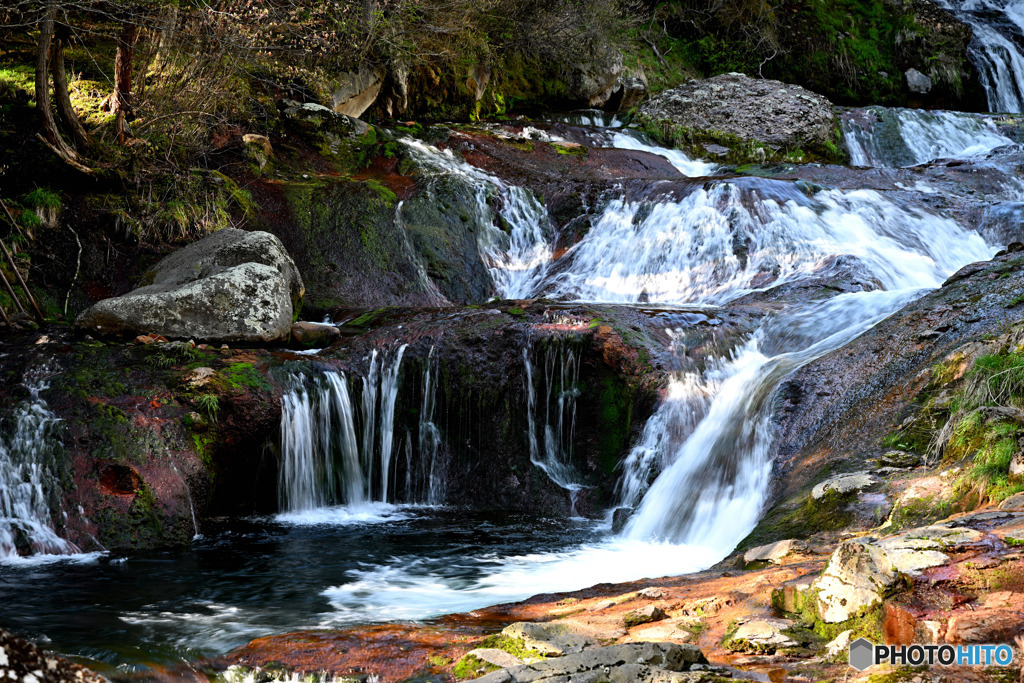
67,113
43,77
123,78
51,136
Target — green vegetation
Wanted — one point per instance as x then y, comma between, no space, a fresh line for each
470,667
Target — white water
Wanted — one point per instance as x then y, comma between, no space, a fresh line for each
322,461
906,137
518,259
630,139
713,483
997,57
685,251
422,589
556,417
430,457
28,485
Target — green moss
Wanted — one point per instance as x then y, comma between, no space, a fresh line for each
513,646
239,376
368,318
697,142
578,151
903,675
470,667
386,195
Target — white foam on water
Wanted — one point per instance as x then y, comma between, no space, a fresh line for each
347,515
685,251
419,590
693,168
922,136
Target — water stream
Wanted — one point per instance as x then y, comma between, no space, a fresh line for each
998,31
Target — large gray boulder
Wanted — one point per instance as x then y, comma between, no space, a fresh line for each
233,286
753,119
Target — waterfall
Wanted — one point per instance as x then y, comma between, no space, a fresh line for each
998,30
905,137
322,461
708,446
555,420
516,248
430,437
631,139
29,490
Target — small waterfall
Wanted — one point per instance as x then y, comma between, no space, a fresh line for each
29,490
389,394
998,31
430,437
555,420
321,462
685,405
905,137
631,139
516,247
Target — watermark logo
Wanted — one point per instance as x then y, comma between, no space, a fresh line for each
865,654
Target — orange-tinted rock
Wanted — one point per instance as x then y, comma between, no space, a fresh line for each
899,626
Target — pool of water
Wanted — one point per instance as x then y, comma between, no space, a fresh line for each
327,568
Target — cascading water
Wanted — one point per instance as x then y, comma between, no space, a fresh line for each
432,468
517,257
998,29
322,463
729,238
905,137
555,420
28,485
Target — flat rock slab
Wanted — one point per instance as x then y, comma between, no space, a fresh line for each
493,655
773,552
629,663
846,483
550,639
762,635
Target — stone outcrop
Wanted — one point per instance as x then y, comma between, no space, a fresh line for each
750,119
628,663
357,90
233,286
857,578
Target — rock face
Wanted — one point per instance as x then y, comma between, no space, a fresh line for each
357,91
845,483
593,82
755,119
631,662
233,286
774,552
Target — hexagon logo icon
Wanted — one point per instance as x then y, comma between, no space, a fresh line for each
862,654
